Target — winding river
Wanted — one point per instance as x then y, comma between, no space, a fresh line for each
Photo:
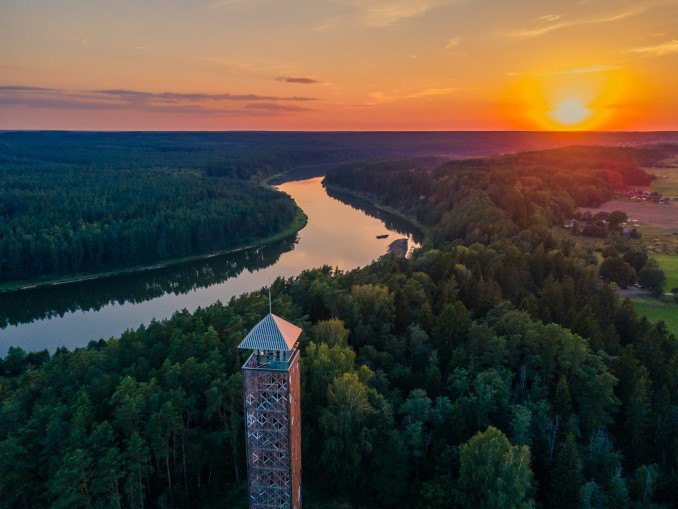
341,232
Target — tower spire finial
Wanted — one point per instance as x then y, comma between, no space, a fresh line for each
269,300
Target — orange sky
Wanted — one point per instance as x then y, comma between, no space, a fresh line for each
339,65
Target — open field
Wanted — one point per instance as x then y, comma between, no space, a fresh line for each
656,310
659,240
669,264
666,181
662,215
658,223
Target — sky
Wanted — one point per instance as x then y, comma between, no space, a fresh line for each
339,65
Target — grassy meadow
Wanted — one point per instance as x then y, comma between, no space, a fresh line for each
656,310
669,264
664,309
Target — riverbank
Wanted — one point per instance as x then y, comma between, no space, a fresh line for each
385,208
299,222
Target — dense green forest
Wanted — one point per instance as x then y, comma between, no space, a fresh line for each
493,368
69,209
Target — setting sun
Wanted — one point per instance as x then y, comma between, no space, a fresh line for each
570,113
570,98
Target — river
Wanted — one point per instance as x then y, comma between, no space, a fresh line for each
341,232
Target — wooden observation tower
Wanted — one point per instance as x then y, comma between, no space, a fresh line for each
273,414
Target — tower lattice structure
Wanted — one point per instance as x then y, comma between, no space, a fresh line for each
271,390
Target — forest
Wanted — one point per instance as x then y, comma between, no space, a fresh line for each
70,209
492,368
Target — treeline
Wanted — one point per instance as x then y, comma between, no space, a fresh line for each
58,220
500,373
524,189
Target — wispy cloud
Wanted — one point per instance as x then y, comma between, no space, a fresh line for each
381,13
21,88
598,68
79,40
132,95
549,17
164,102
39,97
658,50
585,21
431,91
276,107
381,97
452,43
303,81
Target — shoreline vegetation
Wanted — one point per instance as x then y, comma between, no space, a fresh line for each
297,225
378,205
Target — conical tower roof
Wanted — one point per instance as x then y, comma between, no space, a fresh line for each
272,333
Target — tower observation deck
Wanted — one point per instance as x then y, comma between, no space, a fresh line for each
272,390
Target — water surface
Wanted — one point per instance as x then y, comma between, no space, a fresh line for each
337,234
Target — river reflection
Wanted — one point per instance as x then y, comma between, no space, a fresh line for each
392,222
337,234
46,302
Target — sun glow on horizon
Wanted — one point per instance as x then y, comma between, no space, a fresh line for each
578,100
570,113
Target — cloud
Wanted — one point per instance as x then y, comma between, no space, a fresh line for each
275,107
383,97
83,42
586,21
381,13
304,81
452,43
550,17
38,97
22,88
165,102
598,68
431,91
133,95
658,50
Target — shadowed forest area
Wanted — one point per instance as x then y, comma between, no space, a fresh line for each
492,368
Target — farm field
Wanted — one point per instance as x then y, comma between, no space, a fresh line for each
666,181
658,223
655,214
